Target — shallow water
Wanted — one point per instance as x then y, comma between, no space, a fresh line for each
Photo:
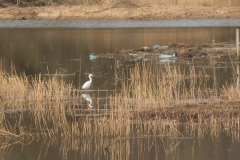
66,52
221,147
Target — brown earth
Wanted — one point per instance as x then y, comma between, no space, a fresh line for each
117,11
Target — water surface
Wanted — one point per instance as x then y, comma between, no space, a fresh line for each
65,51
119,23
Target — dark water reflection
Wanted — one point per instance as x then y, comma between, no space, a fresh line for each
48,51
66,51
220,147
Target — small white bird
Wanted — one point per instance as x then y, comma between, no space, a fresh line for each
87,84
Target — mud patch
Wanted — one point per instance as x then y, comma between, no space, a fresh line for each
174,50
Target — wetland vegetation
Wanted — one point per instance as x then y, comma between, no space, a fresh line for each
145,109
153,102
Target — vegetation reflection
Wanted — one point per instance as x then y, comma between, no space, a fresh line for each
159,105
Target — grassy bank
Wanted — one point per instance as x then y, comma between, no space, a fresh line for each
120,10
206,3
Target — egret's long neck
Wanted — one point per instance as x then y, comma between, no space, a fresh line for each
90,78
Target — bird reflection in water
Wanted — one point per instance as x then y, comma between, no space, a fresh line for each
88,98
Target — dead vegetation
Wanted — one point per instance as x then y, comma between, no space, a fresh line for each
210,50
154,99
118,9
125,3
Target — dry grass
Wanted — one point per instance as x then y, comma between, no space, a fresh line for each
154,101
18,89
154,87
206,3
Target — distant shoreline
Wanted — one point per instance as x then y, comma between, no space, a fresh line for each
118,12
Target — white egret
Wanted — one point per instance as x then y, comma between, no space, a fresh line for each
87,84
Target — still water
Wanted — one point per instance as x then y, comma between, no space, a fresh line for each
48,51
65,53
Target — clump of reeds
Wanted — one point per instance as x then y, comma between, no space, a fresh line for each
17,89
230,93
13,87
156,92
151,86
46,99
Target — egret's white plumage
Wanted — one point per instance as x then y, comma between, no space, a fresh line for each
87,84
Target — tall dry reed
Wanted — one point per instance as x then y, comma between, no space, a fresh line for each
151,88
43,107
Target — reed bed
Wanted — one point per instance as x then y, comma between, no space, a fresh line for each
44,100
155,101
152,87
17,89
173,96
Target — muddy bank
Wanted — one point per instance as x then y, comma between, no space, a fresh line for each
175,50
199,113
